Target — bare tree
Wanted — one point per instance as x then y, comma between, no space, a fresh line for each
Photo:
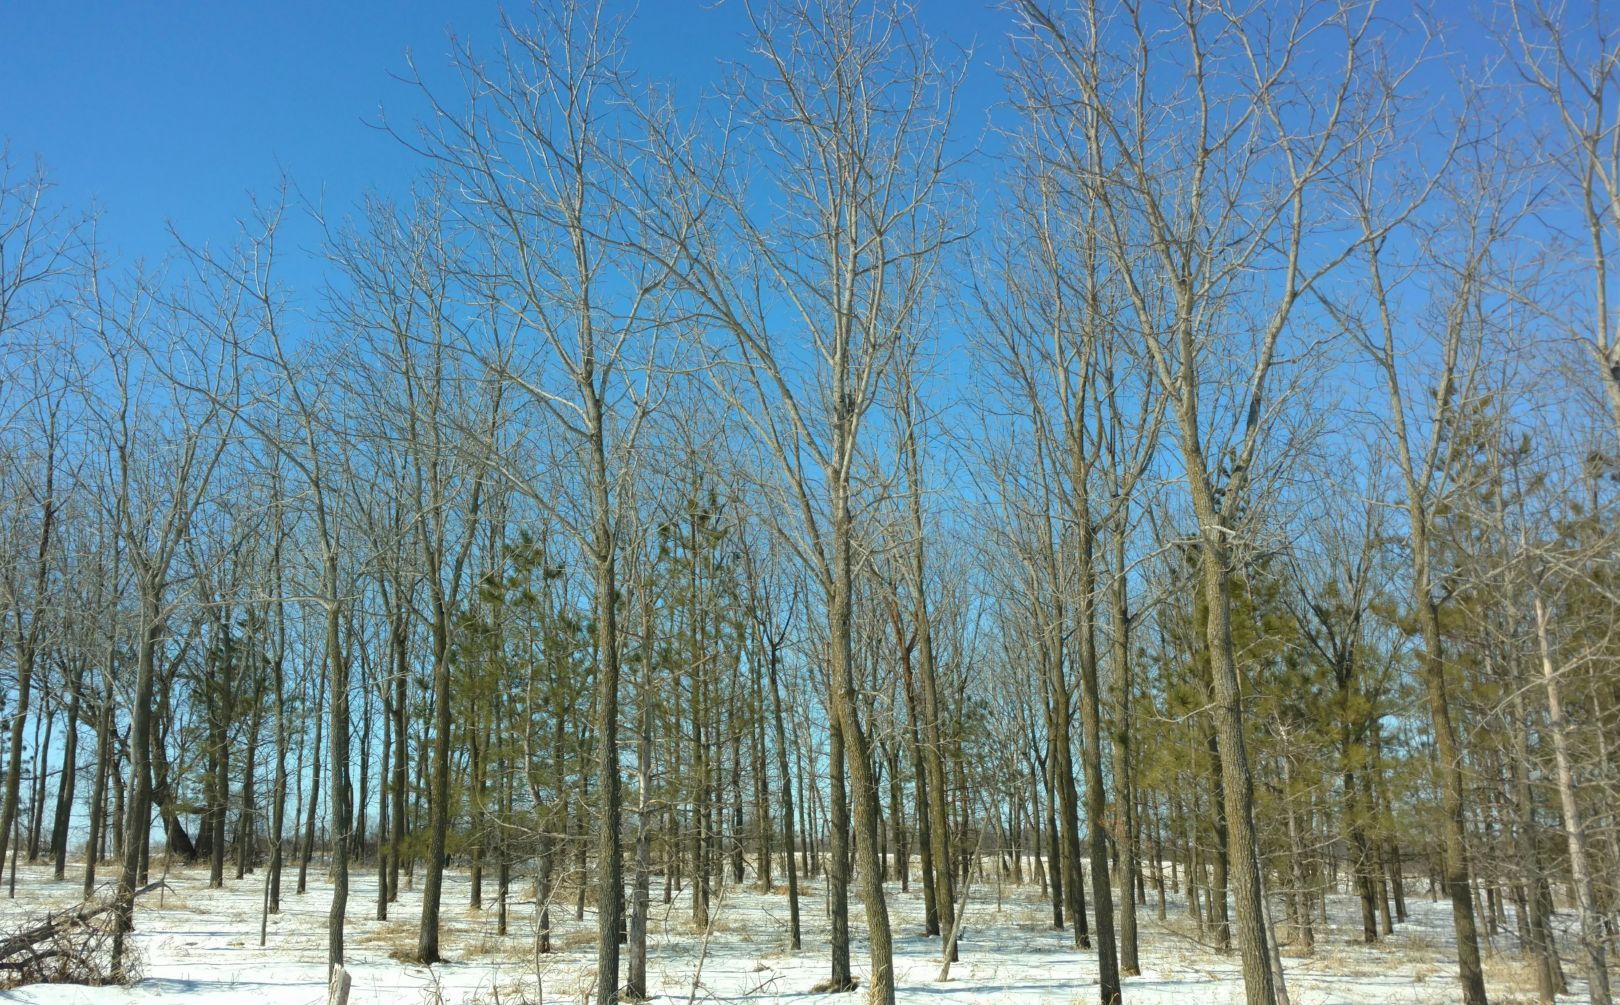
299,395
403,267
909,415
1424,430
813,276
532,151
35,249
1569,56
1581,867
160,475
1196,197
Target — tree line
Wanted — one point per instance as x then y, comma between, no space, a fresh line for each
1198,480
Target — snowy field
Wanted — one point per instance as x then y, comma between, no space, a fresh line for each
201,946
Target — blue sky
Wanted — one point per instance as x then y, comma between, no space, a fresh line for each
175,112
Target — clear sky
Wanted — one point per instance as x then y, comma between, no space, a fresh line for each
175,111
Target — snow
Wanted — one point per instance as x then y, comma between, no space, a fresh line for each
200,946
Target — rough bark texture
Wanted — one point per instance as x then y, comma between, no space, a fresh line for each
1127,864
1108,987
1471,973
1237,782
427,943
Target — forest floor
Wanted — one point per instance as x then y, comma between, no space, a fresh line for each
202,946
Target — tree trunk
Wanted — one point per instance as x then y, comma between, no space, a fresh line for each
401,753
94,845
1056,859
70,775
1217,900
278,800
247,812
382,806
771,663
342,797
839,857
19,717
1124,792
427,943
1243,850
636,987
1453,800
1541,942
308,850
1586,901
1296,860
137,803
27,650
1062,768
1108,987
919,758
939,833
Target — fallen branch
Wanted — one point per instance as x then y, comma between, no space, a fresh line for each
64,948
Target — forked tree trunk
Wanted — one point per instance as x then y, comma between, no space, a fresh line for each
67,783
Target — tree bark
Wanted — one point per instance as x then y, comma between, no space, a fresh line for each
342,798
1592,935
27,651
1238,784
137,803
1127,864
70,775
427,943
771,663
1108,987
838,859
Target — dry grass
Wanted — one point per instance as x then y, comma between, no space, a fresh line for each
168,903
508,994
573,986
1341,962
398,938
734,925
1181,925
1512,975
1030,917
1412,941
578,939
489,946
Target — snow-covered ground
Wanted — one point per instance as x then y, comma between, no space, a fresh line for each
202,946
